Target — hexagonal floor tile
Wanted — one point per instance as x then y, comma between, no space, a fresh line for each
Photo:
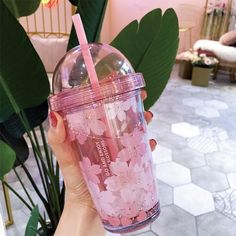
173,174
216,104
170,117
185,130
202,144
174,221
172,141
193,199
161,154
222,161
193,102
225,203
146,230
207,112
199,121
214,223
215,133
189,157
228,146
209,179
165,193
111,234
232,180
149,233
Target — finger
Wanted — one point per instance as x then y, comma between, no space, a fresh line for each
153,144
143,94
62,148
148,115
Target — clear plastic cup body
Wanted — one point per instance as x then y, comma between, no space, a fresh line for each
115,157
106,126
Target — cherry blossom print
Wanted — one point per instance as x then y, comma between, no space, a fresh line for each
125,221
118,109
104,200
90,171
124,176
134,188
142,216
149,201
134,149
114,221
83,123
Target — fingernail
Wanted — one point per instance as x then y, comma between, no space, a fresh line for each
151,115
154,141
53,119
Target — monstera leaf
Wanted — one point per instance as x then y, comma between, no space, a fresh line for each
22,8
7,159
92,14
19,145
151,47
23,79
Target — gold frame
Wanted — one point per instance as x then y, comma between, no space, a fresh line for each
10,220
43,33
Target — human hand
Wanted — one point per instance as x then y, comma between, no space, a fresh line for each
67,157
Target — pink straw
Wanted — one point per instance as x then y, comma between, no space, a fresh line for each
85,50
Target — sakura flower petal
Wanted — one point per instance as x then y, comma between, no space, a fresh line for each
125,221
118,167
124,155
81,137
121,115
115,221
142,216
90,170
112,183
97,127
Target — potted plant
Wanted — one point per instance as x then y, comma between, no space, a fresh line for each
185,67
150,47
202,68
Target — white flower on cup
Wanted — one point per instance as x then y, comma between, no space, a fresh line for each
82,123
118,109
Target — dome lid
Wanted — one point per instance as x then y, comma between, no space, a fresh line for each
71,84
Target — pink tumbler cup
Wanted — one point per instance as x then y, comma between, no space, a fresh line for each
107,127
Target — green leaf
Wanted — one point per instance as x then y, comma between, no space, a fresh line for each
22,7
35,116
92,14
151,48
19,145
23,78
7,159
31,228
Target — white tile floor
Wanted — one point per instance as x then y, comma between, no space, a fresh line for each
195,161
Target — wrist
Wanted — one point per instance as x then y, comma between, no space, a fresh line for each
79,219
72,200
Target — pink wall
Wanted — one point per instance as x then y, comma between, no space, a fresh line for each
120,13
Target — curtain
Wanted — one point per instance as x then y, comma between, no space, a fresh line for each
232,19
216,19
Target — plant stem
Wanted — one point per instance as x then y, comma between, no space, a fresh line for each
35,187
24,121
45,145
42,222
41,175
26,192
22,199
